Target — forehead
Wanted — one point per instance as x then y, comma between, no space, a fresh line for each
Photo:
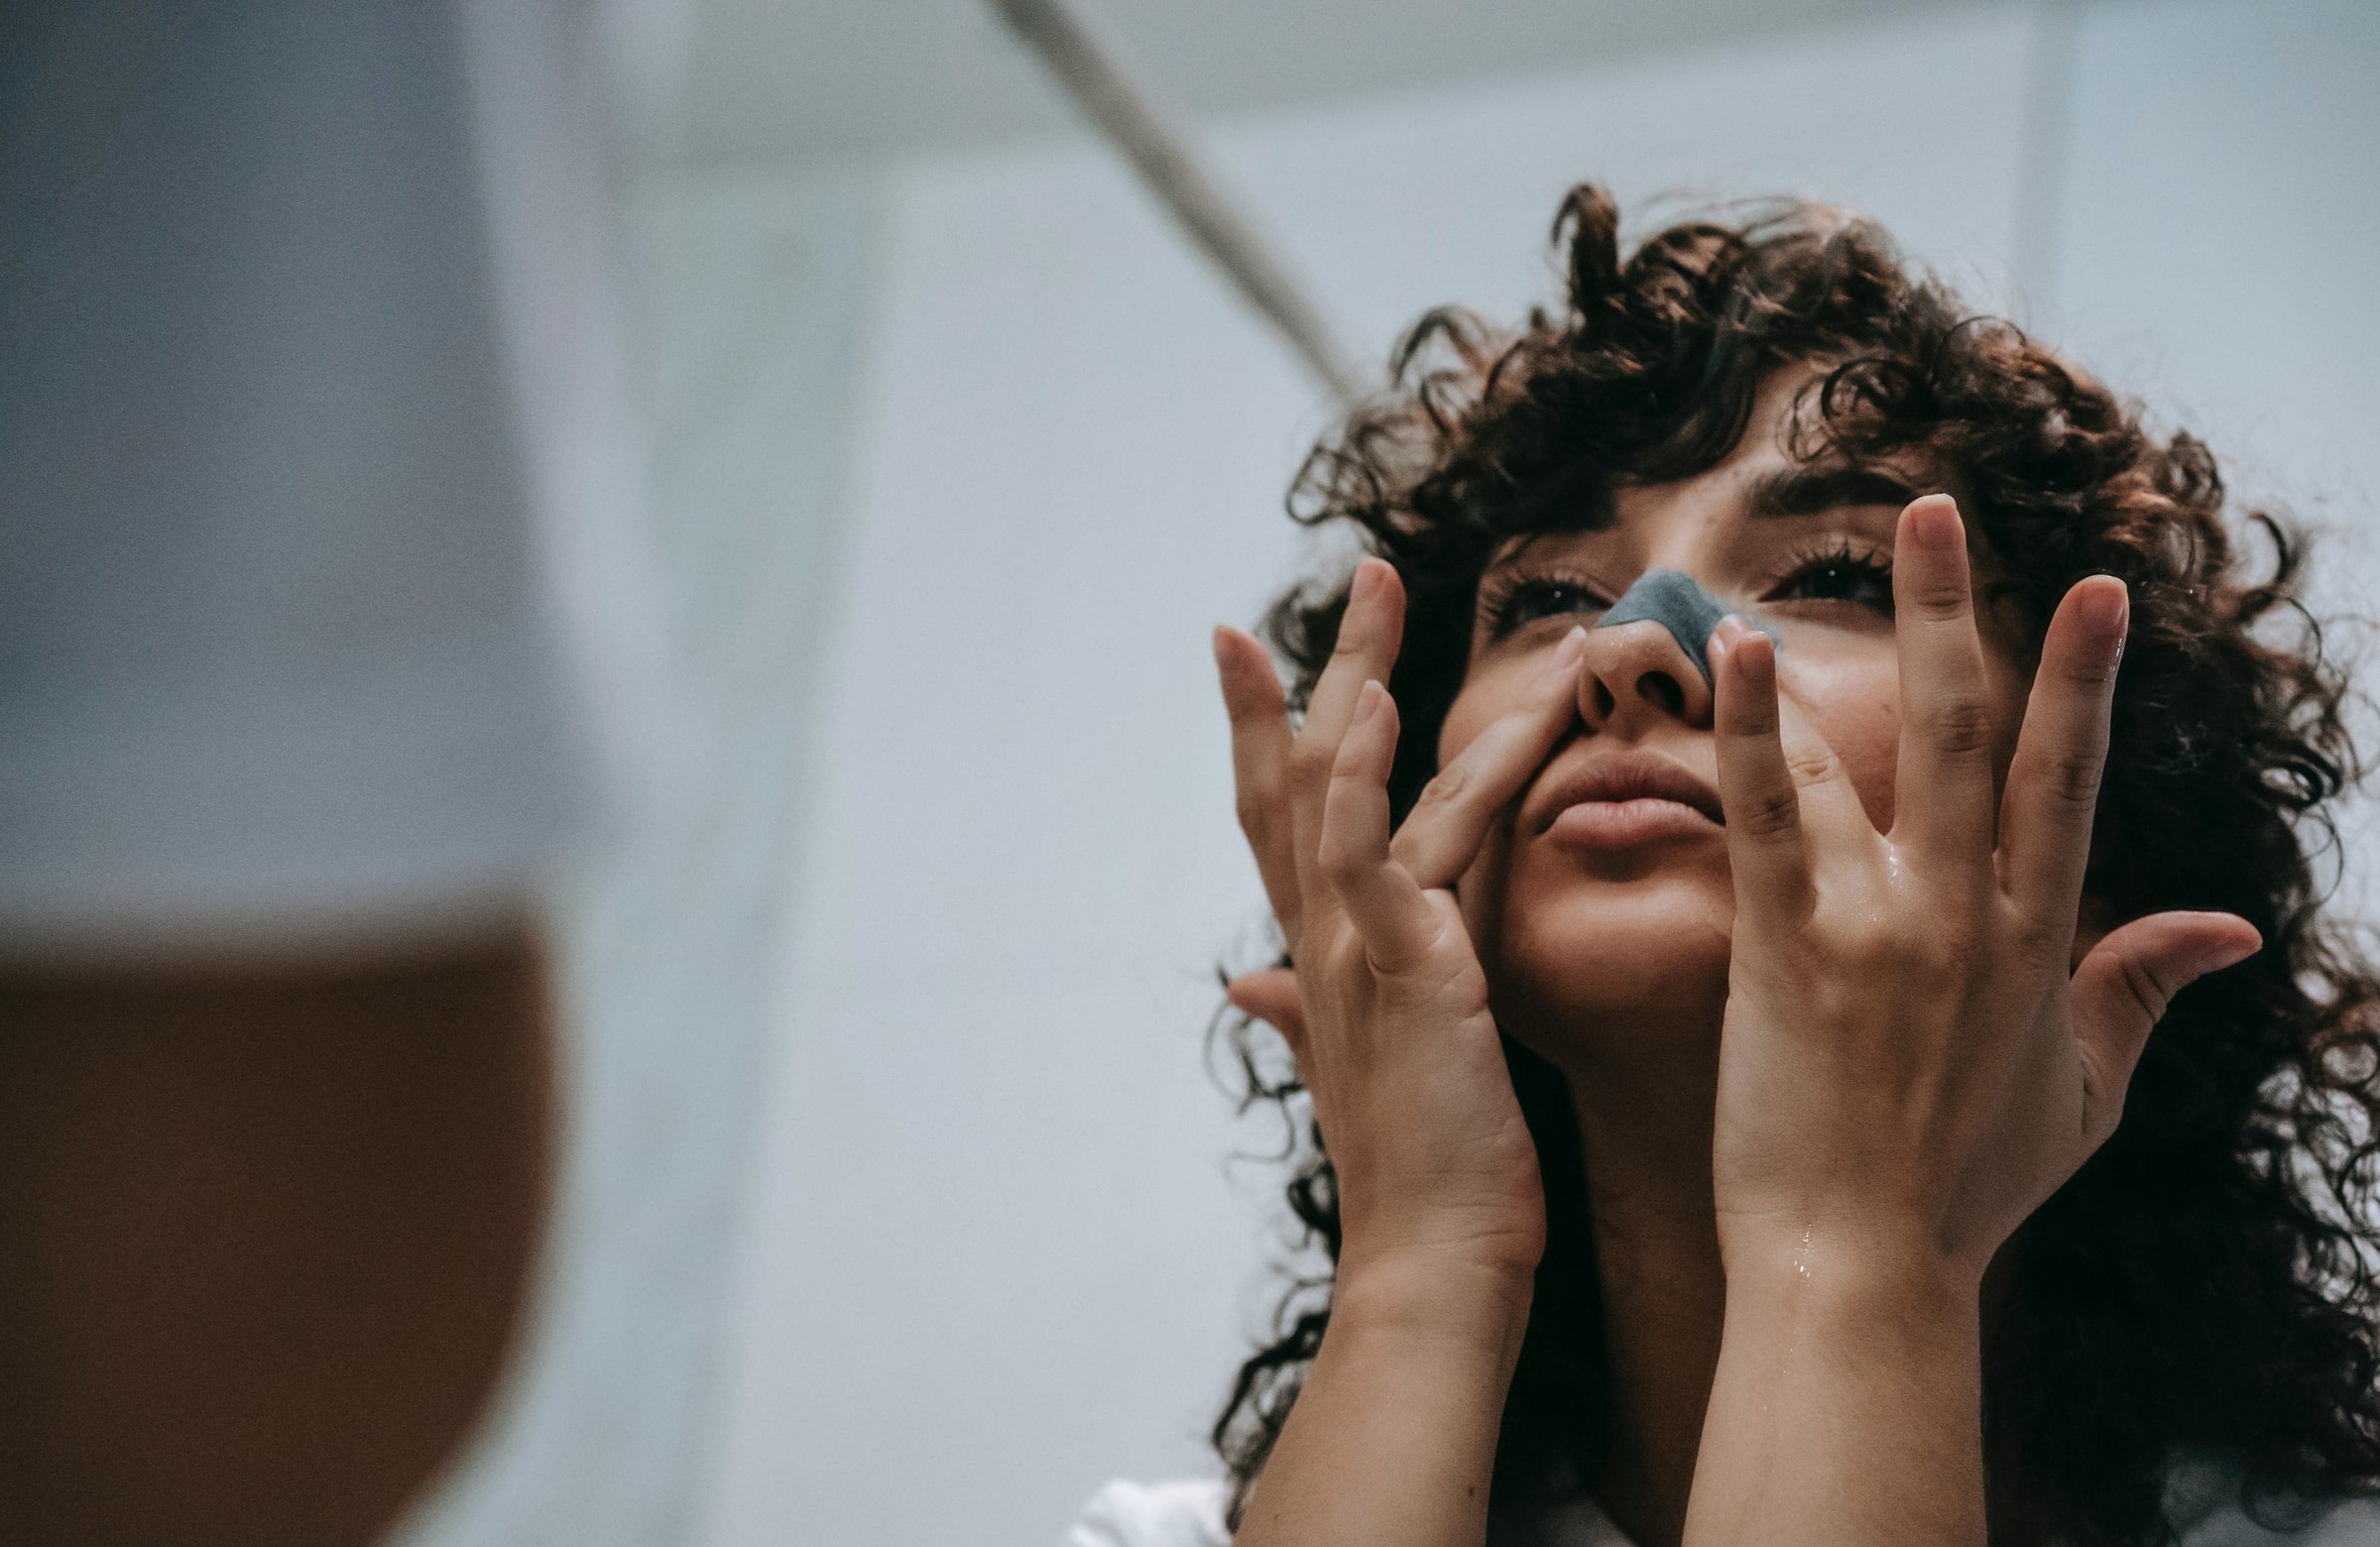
1782,466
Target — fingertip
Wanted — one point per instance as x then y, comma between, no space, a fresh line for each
2104,603
1557,681
2234,945
1723,636
1933,523
1229,666
1752,657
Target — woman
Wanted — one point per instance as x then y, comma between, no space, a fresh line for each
1721,1060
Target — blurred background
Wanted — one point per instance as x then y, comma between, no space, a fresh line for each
891,453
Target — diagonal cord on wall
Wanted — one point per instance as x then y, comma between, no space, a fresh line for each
1088,61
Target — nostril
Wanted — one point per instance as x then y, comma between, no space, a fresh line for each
1605,703
1659,687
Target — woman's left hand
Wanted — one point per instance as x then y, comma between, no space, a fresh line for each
1910,1062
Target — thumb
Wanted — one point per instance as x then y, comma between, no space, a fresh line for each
2122,987
1271,997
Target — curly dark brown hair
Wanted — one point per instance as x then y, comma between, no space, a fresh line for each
2206,1283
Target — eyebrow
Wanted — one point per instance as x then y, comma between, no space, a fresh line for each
1813,491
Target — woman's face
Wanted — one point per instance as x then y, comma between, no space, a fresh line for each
1606,911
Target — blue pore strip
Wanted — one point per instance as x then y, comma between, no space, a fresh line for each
1670,598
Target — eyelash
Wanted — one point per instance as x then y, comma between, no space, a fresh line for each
1863,568
1502,596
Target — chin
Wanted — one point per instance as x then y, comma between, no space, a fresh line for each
1597,969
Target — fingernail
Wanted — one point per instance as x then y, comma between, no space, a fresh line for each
1367,580
1573,646
1761,665
1933,523
1722,637
2112,615
1369,701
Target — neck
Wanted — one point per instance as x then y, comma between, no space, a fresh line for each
1645,1129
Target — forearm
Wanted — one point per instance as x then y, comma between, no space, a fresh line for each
1847,1410
1393,1440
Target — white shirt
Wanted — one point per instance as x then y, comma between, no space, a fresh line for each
286,443
2199,1499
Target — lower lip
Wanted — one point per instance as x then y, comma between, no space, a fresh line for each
1619,824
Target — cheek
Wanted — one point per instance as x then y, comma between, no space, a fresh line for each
1488,693
1853,703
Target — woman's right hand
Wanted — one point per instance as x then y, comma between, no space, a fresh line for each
1393,1036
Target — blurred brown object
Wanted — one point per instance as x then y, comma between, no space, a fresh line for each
265,1239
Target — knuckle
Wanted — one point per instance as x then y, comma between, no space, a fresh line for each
1338,857
1770,814
2142,985
1348,774
1867,946
1310,764
1959,723
1941,600
1449,786
1950,950
1345,956
2086,672
2073,778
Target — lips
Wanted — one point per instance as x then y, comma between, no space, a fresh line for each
1618,777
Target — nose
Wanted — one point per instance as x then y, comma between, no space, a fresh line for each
1635,674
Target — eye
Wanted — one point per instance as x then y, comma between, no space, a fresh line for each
1511,602
1838,575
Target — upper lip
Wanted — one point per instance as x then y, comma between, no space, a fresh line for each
1634,774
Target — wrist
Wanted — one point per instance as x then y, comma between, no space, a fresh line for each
1837,1263
1847,1404
1812,1287
1434,1298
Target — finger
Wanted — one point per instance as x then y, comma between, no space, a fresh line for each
1942,797
1261,744
1370,631
2122,989
2054,779
1271,997
1757,789
1442,835
1388,911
